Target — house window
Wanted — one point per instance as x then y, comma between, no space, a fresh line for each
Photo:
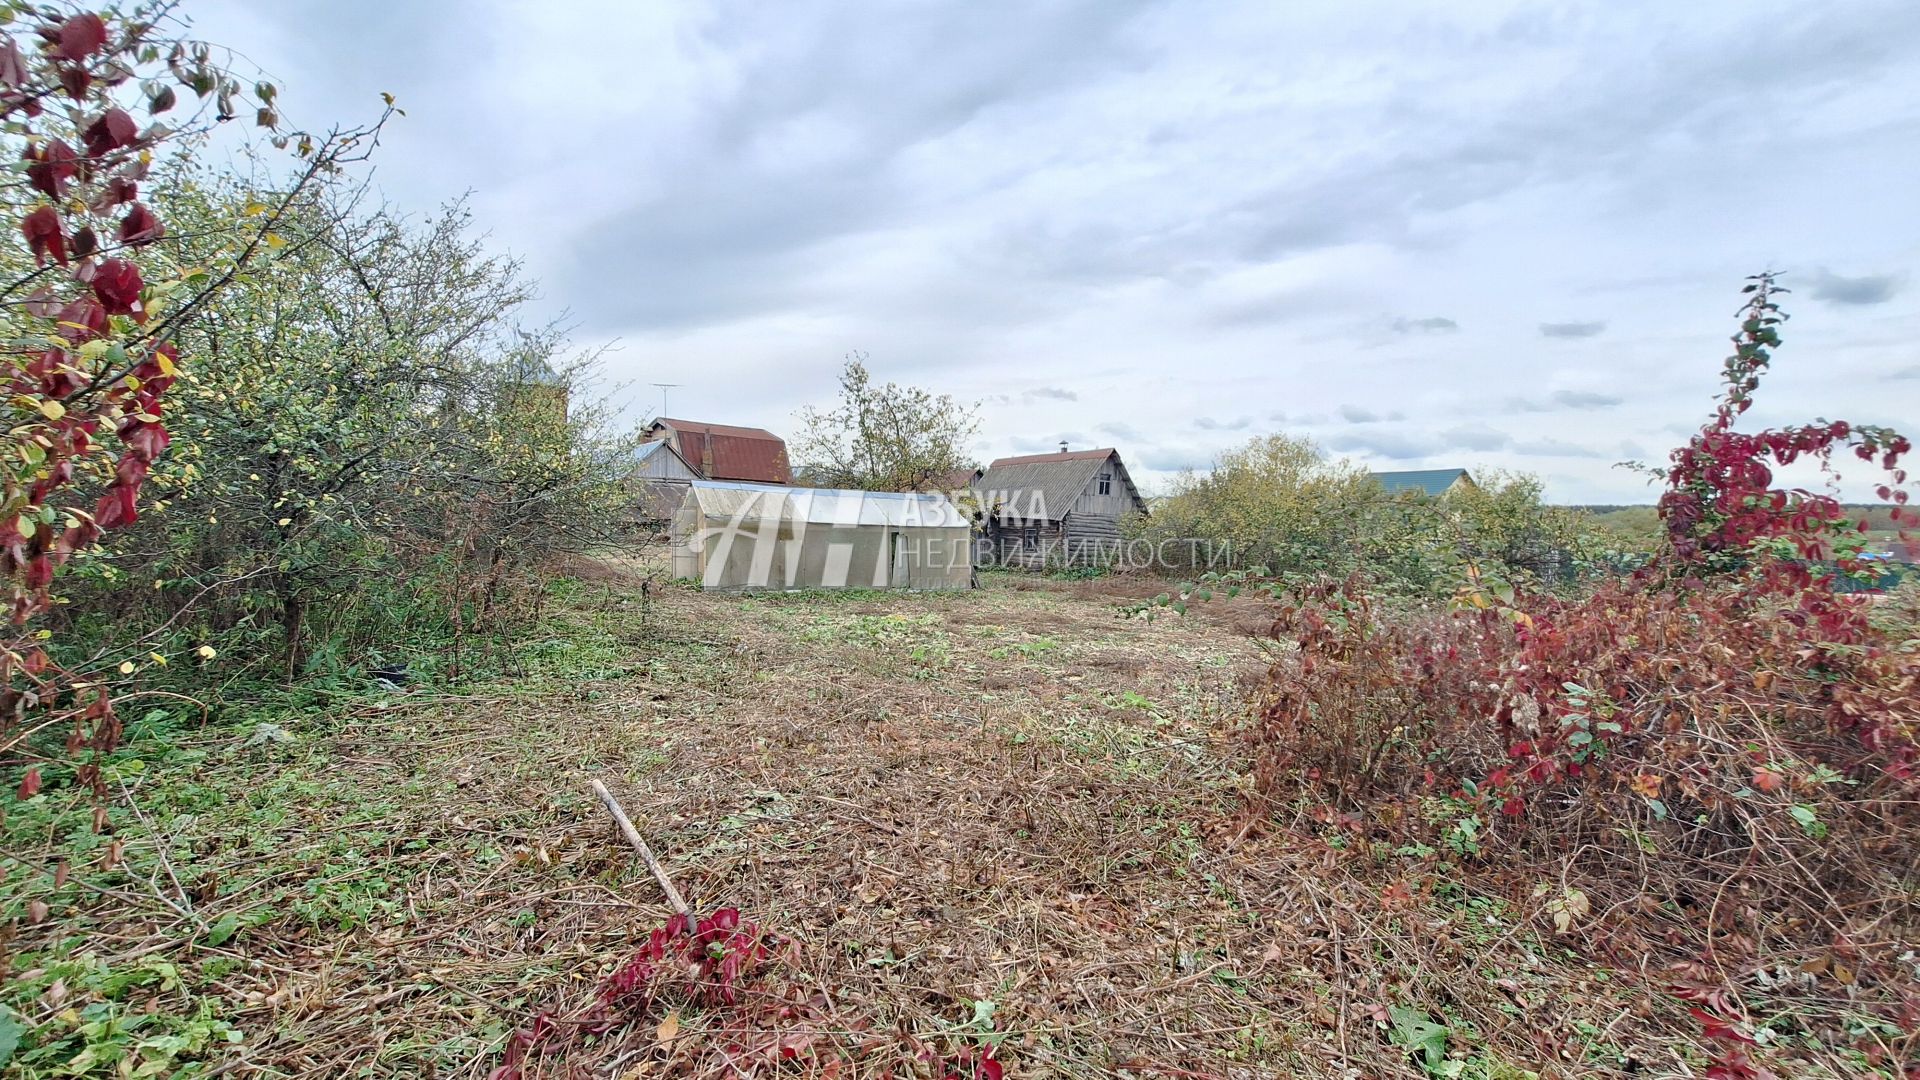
1030,536
1106,483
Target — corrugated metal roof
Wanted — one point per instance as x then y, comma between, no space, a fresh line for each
729,501
727,452
1424,481
1041,487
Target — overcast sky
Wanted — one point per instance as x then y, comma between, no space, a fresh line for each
1474,234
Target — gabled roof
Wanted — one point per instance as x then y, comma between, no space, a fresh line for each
1044,486
647,449
1425,481
727,452
1063,455
737,504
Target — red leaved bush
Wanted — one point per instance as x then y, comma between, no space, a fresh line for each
1721,749
88,360
754,1016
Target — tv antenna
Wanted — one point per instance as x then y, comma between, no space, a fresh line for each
663,388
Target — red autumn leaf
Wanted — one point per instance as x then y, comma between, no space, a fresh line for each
52,166
113,130
44,236
30,783
147,440
82,36
117,507
13,66
42,304
83,319
1718,1028
75,80
117,283
116,191
140,226
1768,780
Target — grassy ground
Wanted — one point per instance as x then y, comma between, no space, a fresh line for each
1008,811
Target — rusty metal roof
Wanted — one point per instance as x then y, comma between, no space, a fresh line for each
727,452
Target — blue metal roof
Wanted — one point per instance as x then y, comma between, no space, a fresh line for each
1424,481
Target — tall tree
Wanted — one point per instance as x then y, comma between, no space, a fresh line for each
885,437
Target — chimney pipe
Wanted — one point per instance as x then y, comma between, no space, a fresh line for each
1063,446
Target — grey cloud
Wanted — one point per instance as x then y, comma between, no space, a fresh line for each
1119,431
1385,444
1632,451
731,232
1585,399
1476,438
1867,289
1051,393
1028,445
1433,325
1355,414
1572,329
1169,458
1555,448
1208,423
1564,399
1907,373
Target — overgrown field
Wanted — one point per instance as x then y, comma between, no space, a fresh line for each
1003,818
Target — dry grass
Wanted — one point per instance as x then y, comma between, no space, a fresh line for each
1010,796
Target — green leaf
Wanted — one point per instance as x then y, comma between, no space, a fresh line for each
222,930
10,1032
1413,1031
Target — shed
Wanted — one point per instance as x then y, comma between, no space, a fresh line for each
1429,482
738,536
1057,509
725,451
660,482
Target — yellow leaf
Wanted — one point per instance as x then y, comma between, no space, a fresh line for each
256,209
276,241
166,364
284,521
52,410
157,658
669,1028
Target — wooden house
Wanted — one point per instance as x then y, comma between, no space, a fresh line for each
1061,509
661,478
725,452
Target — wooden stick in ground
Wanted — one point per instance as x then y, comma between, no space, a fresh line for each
632,834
